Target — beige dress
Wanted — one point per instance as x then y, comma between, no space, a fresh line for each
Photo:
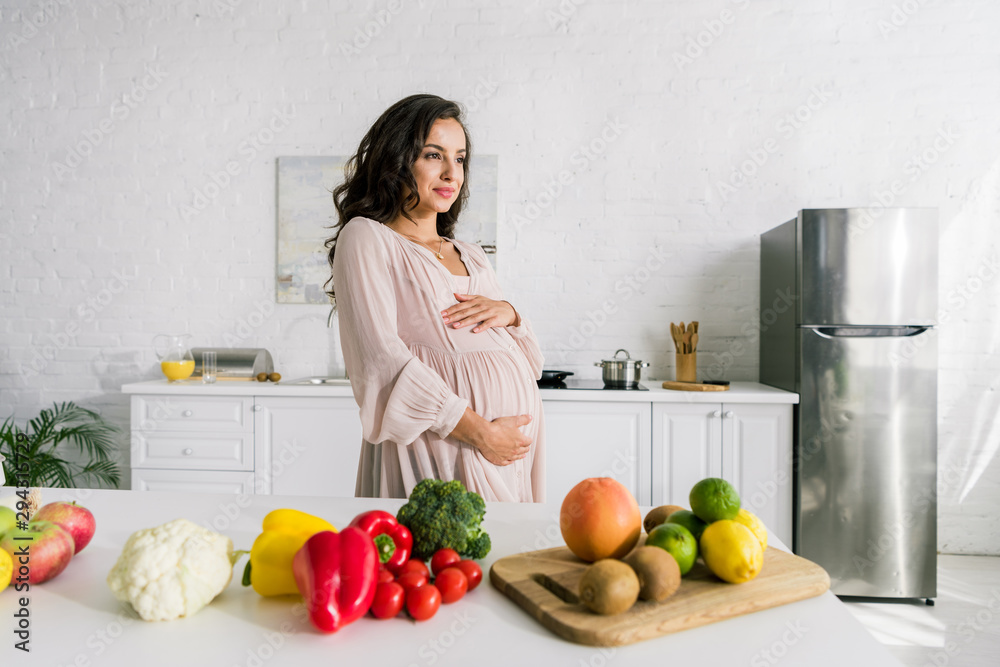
413,376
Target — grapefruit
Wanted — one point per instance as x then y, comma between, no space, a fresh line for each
599,519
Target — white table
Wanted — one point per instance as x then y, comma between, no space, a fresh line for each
76,621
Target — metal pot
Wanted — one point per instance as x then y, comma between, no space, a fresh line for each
621,372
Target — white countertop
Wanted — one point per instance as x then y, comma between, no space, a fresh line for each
76,621
739,392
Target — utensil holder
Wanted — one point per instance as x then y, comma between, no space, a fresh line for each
687,367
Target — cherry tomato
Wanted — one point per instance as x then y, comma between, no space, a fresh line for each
411,580
389,600
442,559
472,572
452,584
423,602
385,576
414,565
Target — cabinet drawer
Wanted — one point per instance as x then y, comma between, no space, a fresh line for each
209,451
193,481
230,414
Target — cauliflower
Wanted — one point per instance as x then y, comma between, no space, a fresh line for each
172,570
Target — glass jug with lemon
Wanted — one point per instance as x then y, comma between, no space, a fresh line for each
176,360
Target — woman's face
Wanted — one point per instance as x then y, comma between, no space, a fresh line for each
438,170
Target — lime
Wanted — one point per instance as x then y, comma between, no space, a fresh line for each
689,520
714,499
731,551
676,540
756,526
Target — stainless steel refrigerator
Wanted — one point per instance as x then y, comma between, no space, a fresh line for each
848,306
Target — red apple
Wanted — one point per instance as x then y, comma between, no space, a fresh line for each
50,548
77,520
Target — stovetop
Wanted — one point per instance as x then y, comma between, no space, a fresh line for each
588,384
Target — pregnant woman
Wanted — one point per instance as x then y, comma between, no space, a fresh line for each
443,369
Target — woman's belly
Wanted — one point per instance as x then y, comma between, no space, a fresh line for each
496,382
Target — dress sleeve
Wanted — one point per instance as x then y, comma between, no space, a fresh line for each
399,396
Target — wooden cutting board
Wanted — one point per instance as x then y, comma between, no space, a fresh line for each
694,386
545,584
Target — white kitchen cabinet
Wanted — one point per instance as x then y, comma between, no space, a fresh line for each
746,444
757,460
687,447
193,481
192,443
597,439
306,446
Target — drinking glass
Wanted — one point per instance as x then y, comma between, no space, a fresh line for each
209,367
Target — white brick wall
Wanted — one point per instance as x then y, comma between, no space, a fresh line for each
117,115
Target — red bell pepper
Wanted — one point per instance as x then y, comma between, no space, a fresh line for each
337,574
393,540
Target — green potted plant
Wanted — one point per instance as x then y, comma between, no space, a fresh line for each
49,437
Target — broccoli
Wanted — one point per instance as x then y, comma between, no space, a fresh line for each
444,515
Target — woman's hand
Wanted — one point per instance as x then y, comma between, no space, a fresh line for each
484,313
500,441
504,442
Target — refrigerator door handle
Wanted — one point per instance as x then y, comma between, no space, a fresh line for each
868,332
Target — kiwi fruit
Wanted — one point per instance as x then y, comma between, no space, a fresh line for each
658,515
261,377
658,573
609,587
274,377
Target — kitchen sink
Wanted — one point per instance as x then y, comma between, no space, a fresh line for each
319,381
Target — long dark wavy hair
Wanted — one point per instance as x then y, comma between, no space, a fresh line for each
377,176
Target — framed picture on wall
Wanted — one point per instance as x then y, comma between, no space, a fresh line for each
306,216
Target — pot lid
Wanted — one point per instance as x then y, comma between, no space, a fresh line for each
615,360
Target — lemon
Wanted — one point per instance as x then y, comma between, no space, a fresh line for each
714,499
731,551
756,526
6,569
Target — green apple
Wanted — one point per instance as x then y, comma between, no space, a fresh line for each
8,519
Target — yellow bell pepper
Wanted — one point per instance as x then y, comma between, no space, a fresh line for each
285,531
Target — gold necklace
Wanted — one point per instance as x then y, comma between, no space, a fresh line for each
429,247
